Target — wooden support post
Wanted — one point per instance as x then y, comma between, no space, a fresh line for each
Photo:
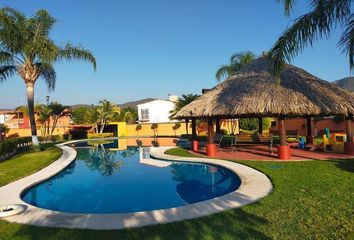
217,125
260,125
349,130
195,142
349,145
194,129
309,137
283,149
210,131
211,147
282,132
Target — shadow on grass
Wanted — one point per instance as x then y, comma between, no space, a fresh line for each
345,164
234,224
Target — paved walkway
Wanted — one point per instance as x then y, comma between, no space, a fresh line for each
259,153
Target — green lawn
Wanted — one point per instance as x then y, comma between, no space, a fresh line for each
311,200
25,164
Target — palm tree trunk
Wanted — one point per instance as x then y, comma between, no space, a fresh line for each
30,102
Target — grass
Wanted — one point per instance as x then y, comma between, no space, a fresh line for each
311,200
25,164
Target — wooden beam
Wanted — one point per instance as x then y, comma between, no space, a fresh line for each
194,129
210,131
349,130
282,131
260,125
309,130
217,125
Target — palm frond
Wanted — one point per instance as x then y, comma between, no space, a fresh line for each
288,5
48,74
6,71
6,58
347,41
12,24
42,22
70,52
307,29
224,71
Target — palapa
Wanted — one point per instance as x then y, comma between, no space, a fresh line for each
253,92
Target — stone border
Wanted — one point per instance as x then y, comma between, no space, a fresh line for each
254,185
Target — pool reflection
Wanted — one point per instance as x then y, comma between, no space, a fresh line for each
106,180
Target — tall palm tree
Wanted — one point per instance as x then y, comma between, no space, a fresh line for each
27,50
325,15
237,61
106,112
180,103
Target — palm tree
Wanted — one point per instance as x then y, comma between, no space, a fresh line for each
237,61
324,16
180,103
44,113
57,111
27,50
106,112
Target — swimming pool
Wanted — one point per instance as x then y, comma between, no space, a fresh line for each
104,179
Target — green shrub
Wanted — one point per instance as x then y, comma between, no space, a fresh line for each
266,123
248,124
99,135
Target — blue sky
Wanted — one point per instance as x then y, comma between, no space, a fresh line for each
156,47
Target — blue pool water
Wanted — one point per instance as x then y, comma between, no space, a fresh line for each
106,180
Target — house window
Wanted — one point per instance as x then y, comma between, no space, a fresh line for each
144,114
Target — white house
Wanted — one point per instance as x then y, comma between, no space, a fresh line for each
156,111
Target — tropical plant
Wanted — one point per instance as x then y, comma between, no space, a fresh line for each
57,111
176,127
266,123
138,128
248,124
319,22
128,115
154,127
106,111
237,61
43,116
180,103
80,115
27,50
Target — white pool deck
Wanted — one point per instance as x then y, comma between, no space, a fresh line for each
254,186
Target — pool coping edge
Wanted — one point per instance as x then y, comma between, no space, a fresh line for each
254,186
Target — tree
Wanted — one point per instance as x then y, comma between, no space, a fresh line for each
180,103
80,115
44,113
237,61
176,127
138,128
27,50
154,127
128,115
324,16
57,111
106,111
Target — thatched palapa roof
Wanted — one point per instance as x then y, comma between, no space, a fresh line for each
253,92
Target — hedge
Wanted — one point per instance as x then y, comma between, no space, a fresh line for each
99,135
10,147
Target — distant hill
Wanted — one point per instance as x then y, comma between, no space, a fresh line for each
122,106
80,105
135,103
346,83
